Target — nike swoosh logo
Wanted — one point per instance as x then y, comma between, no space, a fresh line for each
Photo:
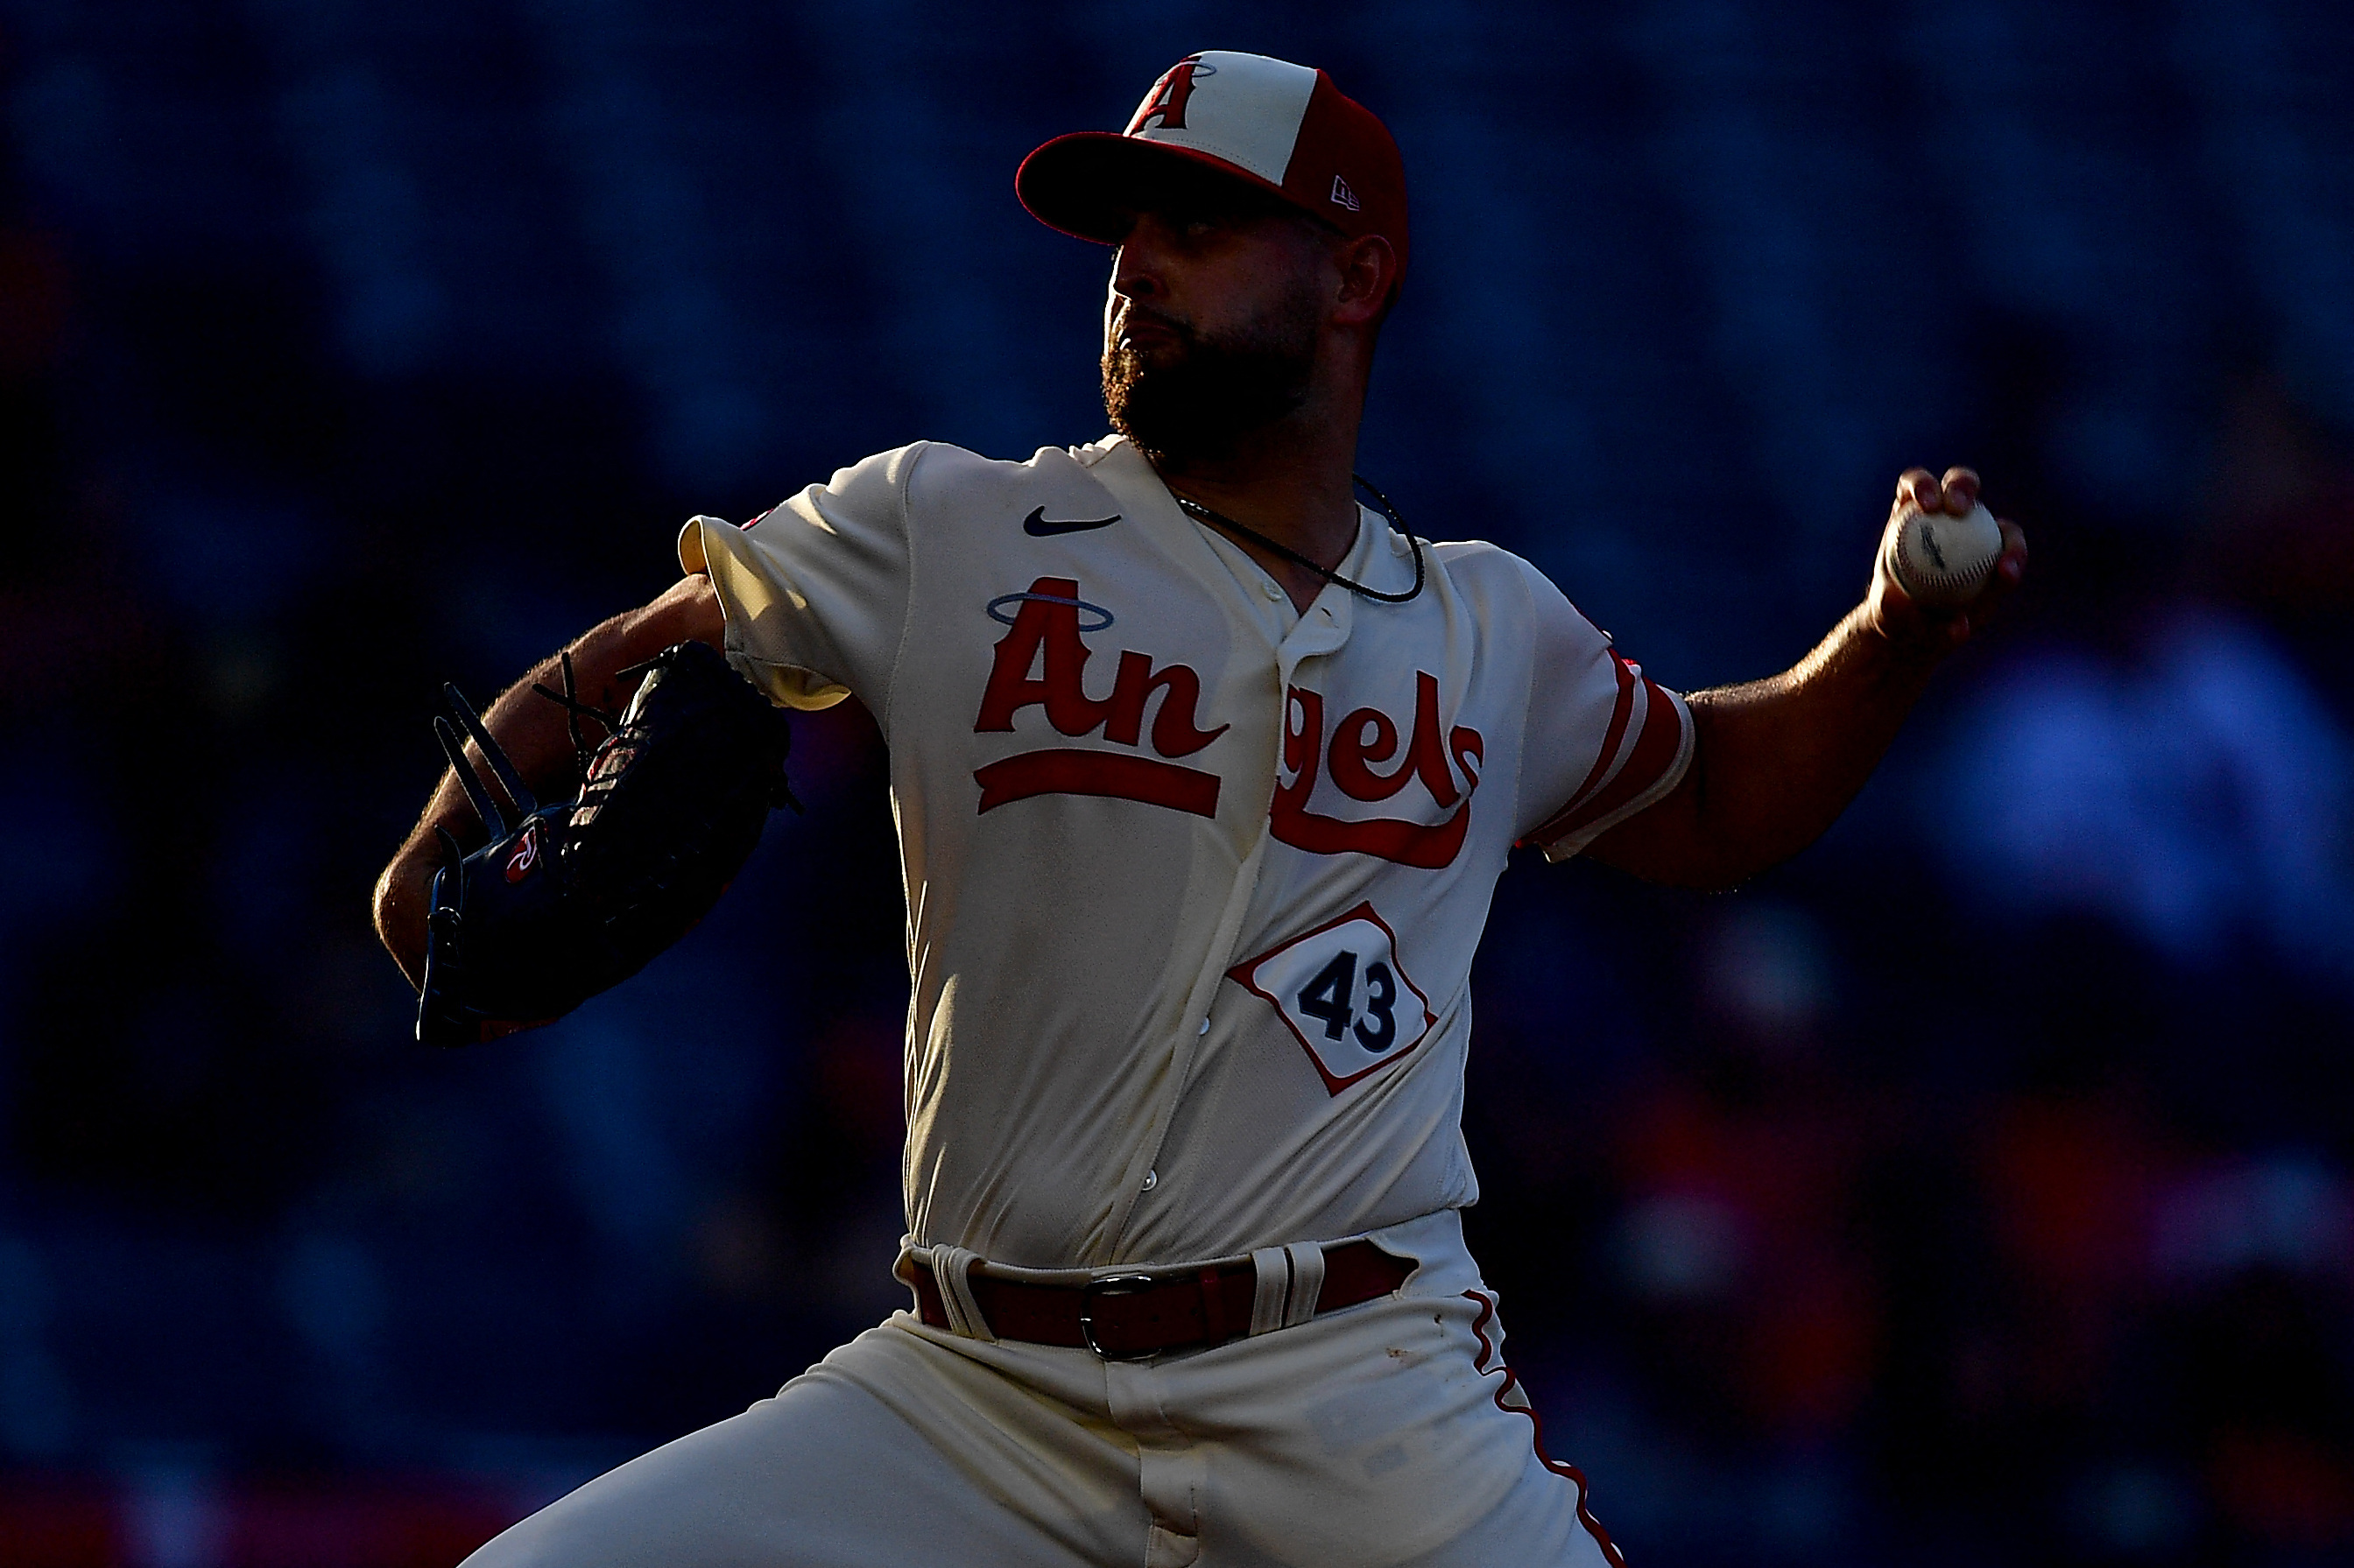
1039,527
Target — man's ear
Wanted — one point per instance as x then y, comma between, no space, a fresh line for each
1369,271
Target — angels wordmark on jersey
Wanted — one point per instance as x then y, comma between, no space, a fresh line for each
1041,659
1194,880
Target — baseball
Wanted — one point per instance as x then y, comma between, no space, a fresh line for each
1943,560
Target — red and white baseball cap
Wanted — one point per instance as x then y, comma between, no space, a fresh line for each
1282,127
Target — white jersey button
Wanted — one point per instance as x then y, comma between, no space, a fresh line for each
1271,590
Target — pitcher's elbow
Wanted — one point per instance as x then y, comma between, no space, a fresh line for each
397,910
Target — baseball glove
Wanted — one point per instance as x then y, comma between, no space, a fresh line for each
578,896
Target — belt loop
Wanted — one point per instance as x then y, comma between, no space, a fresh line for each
1273,1267
952,1271
1306,1282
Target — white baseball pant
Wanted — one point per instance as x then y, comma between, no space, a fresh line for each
1387,1434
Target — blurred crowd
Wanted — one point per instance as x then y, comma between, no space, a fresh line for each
1978,1187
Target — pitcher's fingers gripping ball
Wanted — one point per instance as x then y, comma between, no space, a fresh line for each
1944,564
1943,560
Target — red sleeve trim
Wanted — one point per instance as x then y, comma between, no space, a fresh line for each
1659,747
1619,715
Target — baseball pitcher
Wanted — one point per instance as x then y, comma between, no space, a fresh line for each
1205,768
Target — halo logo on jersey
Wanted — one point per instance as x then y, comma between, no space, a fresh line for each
1343,994
1043,635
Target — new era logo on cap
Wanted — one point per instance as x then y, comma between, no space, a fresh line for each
1281,126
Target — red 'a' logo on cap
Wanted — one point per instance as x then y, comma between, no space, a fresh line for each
1166,103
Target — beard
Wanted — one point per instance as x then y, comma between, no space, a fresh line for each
1199,398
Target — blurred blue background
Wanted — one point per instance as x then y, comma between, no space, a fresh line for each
1975,1189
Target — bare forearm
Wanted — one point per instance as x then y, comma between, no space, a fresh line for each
1780,759
1776,761
534,735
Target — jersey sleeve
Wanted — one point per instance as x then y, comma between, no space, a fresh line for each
815,590
1604,739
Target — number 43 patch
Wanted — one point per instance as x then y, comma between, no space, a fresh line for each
1342,991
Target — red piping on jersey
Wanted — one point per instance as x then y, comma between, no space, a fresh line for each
1662,736
1066,770
1654,754
1619,713
1536,1426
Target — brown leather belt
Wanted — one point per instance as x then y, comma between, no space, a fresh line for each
1131,1316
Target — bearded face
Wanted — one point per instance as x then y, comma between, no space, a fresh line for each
1184,394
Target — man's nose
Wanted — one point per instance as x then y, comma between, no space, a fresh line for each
1131,283
1136,265
1133,276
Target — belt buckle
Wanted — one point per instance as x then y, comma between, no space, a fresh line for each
1110,1285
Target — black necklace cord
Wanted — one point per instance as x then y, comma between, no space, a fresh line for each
1201,514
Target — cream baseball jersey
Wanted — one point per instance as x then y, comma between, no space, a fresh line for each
1193,880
